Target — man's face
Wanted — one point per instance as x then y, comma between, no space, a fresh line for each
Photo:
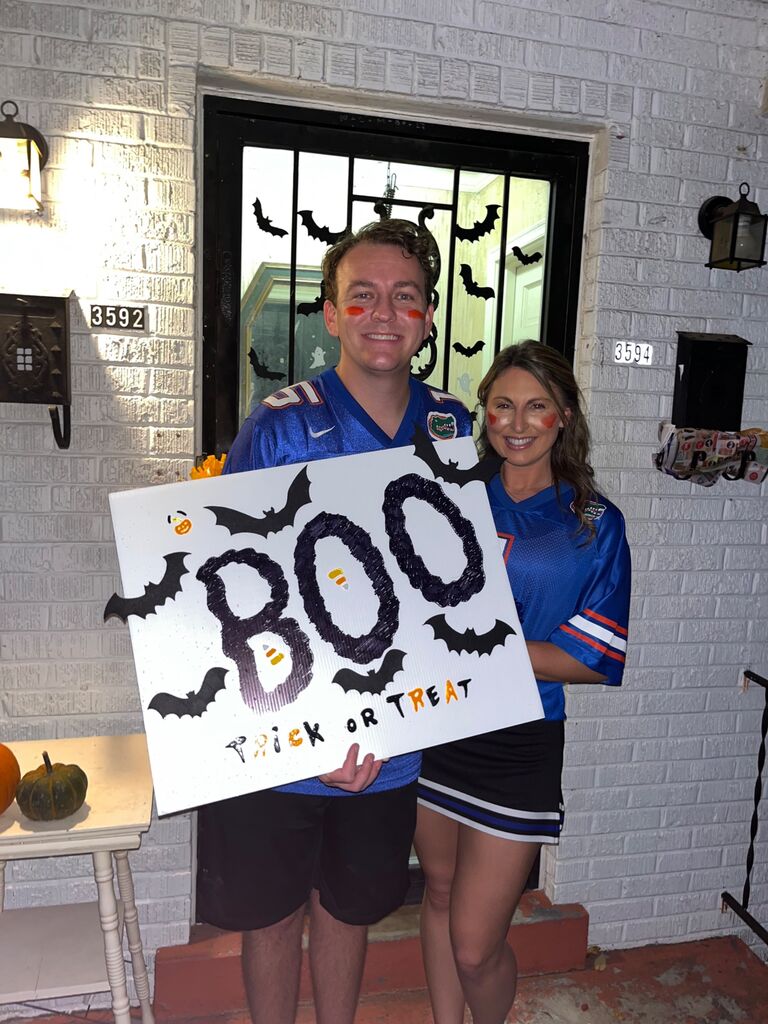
382,315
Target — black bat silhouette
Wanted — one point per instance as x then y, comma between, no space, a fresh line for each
323,234
308,308
375,680
261,370
471,286
154,594
469,640
195,703
272,521
525,260
480,227
468,350
265,223
449,471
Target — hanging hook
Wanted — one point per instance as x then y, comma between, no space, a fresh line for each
62,437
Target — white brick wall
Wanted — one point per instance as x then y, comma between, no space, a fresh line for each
659,776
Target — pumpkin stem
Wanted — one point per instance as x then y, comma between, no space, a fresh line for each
48,768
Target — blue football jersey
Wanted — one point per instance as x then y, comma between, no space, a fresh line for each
319,419
569,591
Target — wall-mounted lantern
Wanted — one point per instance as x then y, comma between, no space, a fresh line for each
23,152
737,231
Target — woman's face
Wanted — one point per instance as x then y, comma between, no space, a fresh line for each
522,420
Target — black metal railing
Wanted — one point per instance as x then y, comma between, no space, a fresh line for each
728,900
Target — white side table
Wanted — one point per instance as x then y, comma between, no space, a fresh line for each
71,950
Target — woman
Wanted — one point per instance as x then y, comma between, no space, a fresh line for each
486,804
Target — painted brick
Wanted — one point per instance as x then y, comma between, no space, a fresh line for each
50,18
484,46
545,56
128,28
720,86
661,151
278,55
520,22
371,69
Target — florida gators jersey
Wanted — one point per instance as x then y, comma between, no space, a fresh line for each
569,591
319,419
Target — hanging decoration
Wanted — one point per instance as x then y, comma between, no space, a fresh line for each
265,223
321,234
480,227
468,350
471,286
525,260
704,456
261,370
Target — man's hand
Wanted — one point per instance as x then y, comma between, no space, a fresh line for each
353,777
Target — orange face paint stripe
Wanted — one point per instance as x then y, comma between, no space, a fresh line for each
415,314
549,420
354,310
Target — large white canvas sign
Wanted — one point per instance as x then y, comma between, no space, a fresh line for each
280,615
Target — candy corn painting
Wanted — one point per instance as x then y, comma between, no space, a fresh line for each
278,616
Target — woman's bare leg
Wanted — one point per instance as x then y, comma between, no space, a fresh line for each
435,842
489,879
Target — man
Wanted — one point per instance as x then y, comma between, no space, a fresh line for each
342,841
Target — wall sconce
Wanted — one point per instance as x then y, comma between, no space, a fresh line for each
737,230
23,152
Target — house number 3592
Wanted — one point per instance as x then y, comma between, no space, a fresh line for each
120,318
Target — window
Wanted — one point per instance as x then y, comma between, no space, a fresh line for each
282,183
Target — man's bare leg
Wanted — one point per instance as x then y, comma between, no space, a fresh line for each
336,960
271,968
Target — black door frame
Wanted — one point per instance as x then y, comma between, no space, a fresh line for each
229,125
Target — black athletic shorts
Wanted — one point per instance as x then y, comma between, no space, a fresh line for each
260,856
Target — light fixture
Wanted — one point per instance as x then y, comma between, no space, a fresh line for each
737,231
23,152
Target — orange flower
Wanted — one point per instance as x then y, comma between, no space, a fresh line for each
210,466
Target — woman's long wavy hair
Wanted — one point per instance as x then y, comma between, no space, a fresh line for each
570,452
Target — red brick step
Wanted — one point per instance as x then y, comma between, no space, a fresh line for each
203,977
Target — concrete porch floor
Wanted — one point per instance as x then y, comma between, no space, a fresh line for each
712,981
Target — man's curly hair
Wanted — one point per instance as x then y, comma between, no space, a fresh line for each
404,234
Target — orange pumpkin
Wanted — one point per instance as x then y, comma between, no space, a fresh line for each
10,773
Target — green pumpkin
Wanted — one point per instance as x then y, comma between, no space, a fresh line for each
51,791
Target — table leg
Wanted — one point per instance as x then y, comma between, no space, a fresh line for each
2,885
131,918
113,946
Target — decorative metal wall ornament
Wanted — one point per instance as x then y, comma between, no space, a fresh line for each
34,356
736,229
